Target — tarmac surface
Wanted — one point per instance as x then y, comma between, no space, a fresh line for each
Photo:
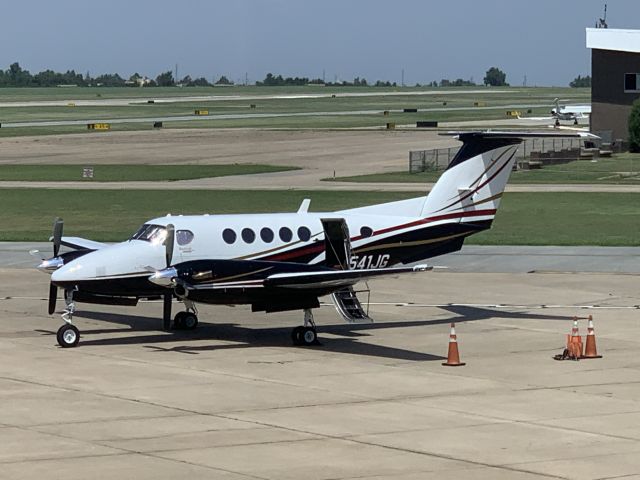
234,399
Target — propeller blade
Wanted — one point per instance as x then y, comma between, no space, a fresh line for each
57,235
53,295
169,241
166,310
37,254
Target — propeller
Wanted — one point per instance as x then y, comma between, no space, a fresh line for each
168,243
168,295
57,241
53,296
57,235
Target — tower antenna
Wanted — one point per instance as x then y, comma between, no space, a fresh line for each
602,22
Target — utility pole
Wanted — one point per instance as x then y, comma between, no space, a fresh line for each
402,81
176,79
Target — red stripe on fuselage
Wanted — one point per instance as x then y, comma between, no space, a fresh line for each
319,247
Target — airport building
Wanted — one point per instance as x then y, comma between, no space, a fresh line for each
615,78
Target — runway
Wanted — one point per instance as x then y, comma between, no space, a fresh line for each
111,102
240,116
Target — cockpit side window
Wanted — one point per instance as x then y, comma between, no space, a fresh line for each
150,233
184,237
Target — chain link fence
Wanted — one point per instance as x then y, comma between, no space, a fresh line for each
552,150
553,160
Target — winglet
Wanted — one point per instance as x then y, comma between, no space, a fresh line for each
304,206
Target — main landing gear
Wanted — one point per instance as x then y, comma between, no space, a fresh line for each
306,334
187,320
68,334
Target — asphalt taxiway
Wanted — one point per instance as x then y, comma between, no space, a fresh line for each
235,400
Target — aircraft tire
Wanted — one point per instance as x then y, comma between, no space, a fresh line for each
308,336
178,321
189,321
296,335
68,336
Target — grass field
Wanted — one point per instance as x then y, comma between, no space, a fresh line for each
128,173
620,169
609,219
340,112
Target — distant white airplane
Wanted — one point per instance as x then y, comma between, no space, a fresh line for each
569,112
286,261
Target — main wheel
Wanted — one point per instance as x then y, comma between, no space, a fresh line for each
308,336
68,336
178,321
189,321
296,335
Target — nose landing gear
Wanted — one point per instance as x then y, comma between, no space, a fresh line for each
68,334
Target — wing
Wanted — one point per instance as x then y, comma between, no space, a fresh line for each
81,243
312,280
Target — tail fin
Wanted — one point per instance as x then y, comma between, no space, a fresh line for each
471,187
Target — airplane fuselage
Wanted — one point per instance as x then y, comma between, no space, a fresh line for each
378,241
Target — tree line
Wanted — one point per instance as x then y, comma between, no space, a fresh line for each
16,76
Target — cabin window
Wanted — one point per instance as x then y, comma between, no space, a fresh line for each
184,237
285,234
248,235
266,234
304,234
229,236
366,232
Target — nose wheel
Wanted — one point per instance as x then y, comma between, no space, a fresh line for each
68,336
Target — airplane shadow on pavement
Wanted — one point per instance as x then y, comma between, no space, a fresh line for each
344,338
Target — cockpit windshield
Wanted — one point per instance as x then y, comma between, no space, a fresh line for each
155,234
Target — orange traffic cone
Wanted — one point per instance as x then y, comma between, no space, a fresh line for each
590,350
575,341
453,357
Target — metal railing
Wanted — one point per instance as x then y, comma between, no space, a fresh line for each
439,158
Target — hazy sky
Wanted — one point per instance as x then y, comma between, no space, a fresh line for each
430,40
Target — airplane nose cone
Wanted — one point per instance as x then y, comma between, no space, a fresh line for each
67,273
165,277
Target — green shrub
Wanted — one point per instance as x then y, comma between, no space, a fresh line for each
634,127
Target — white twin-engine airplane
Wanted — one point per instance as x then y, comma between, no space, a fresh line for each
569,112
285,261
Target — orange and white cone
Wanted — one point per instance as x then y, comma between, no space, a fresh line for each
590,350
453,357
575,341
